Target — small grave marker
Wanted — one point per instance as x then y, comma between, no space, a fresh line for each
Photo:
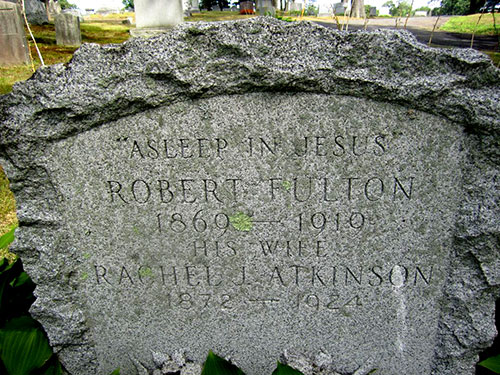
68,30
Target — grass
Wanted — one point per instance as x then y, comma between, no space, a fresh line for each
110,17
467,24
216,16
8,218
9,75
495,57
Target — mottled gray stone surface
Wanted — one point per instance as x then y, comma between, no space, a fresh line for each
265,190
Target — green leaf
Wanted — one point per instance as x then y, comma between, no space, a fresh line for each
215,365
52,367
283,369
492,363
16,290
4,280
7,238
22,280
116,372
23,346
55,369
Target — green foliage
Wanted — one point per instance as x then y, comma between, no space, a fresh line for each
128,4
16,290
311,10
116,372
454,6
283,369
284,18
492,363
8,219
53,367
215,365
399,9
23,346
7,238
65,4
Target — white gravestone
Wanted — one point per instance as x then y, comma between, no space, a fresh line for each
156,16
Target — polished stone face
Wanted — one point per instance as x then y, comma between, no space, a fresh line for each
306,222
216,188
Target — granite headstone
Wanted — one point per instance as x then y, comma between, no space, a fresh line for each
67,29
36,11
156,16
13,44
266,190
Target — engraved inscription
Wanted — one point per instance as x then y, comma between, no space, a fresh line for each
194,203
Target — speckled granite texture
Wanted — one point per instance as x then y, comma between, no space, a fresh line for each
262,189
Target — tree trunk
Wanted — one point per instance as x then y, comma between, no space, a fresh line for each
358,9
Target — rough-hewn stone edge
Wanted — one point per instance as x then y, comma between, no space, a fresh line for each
102,84
261,54
46,256
467,324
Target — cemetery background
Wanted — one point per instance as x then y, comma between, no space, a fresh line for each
109,29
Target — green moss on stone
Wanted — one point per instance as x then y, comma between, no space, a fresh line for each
286,185
241,222
194,31
145,272
230,51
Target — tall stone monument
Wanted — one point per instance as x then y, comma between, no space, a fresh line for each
68,30
13,43
156,16
332,204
